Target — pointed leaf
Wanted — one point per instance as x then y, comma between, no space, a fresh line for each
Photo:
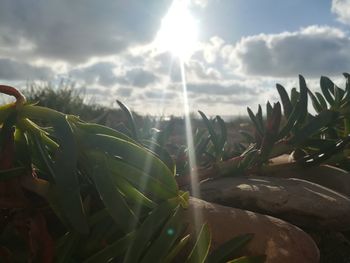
131,121
320,121
255,122
268,110
322,101
148,230
201,248
294,96
302,101
229,248
176,249
213,136
110,194
113,250
327,87
251,259
166,238
287,105
315,103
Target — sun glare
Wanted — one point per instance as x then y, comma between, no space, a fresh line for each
178,31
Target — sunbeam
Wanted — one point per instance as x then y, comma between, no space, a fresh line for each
178,35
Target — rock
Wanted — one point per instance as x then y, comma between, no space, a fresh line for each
297,201
278,240
325,175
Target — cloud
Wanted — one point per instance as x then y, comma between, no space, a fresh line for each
100,73
233,101
124,91
219,89
212,48
160,95
199,70
342,9
12,70
313,51
76,31
140,77
200,3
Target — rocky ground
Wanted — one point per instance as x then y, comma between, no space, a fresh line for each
319,204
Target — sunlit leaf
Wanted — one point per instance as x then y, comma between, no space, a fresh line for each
249,259
229,248
201,248
131,121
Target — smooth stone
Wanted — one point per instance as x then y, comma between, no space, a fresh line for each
277,239
300,202
326,175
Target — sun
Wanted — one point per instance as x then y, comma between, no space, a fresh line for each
178,31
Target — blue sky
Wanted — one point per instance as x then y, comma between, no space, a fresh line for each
232,19
244,48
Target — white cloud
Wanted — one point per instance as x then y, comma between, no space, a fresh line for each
312,51
200,3
342,9
211,49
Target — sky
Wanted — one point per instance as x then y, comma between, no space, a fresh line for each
239,51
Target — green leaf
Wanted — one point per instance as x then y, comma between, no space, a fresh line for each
327,87
229,248
166,239
161,153
131,153
113,250
315,103
257,126
6,110
249,158
247,136
100,129
110,194
294,96
320,121
302,101
213,136
322,101
247,259
22,152
131,194
347,87
65,247
290,122
273,123
259,118
287,105
64,167
268,110
176,249
144,182
148,230
223,133
131,121
201,248
338,95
